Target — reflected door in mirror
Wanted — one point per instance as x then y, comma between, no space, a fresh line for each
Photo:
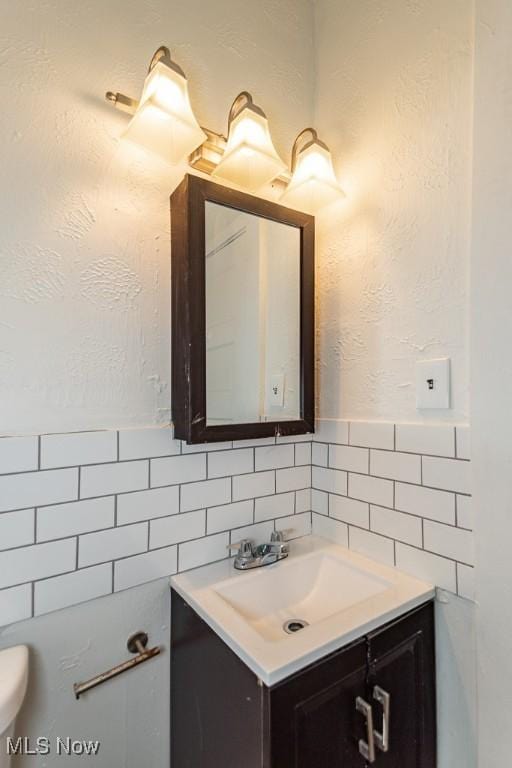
252,298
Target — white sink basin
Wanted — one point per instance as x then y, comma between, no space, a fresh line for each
338,594
310,589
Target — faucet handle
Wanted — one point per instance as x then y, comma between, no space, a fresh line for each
279,536
244,547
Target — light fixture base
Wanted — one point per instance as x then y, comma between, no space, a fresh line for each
122,102
207,156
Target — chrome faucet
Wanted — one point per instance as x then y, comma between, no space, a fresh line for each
252,555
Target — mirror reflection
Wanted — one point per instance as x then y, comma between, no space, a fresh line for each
252,318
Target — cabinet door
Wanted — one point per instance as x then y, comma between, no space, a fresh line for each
314,722
402,666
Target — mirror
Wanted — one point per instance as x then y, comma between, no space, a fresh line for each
242,315
252,317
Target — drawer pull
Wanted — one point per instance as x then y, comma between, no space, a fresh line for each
384,699
366,748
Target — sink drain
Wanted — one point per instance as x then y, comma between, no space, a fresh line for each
294,625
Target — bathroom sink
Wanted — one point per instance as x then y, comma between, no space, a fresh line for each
308,590
280,618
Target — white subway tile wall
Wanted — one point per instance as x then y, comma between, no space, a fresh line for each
319,502
16,529
205,494
274,457
399,493
171,530
71,588
70,450
349,459
397,466
425,439
330,529
15,604
30,489
60,520
293,479
235,462
463,441
303,500
86,514
147,444
370,544
146,567
371,434
271,507
192,554
227,516
18,454
350,511
103,479
329,480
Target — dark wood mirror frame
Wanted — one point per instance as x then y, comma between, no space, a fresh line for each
189,312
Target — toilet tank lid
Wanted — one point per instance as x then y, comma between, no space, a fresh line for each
13,683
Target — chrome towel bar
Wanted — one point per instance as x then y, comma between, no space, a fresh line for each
136,644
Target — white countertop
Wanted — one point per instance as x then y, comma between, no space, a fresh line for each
324,580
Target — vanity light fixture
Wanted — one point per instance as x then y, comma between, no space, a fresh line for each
163,120
313,184
249,159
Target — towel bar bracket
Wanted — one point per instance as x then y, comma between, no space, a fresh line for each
136,644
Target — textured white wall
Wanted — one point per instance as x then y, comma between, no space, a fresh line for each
84,281
491,374
393,100
84,236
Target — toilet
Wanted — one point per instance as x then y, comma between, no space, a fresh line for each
13,685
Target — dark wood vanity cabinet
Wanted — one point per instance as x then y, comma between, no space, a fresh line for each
223,717
401,661
313,719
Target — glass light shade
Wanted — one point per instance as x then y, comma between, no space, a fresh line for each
314,183
164,121
250,159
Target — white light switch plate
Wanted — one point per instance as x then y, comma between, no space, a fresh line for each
433,383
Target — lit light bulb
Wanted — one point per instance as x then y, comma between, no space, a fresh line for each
164,121
313,184
250,159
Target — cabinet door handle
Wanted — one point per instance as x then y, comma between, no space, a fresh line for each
366,748
384,699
